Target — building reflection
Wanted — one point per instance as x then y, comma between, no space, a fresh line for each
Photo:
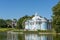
38,37
14,36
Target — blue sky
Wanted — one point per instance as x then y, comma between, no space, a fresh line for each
10,9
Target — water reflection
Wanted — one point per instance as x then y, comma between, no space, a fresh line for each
38,37
3,36
18,36
14,36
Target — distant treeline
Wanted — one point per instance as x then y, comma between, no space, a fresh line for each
14,23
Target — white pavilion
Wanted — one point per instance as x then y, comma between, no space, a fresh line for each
37,23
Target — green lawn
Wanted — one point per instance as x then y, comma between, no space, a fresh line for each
21,30
6,29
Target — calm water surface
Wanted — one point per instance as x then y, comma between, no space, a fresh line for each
17,36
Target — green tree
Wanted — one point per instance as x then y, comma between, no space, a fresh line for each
56,17
9,23
20,23
3,23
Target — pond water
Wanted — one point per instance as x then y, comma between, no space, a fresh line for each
26,36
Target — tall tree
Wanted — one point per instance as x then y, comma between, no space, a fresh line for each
56,17
20,23
9,23
3,23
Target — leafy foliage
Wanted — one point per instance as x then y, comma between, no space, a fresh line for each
9,23
56,17
2,23
20,23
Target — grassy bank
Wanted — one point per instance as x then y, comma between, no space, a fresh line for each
38,31
6,29
25,31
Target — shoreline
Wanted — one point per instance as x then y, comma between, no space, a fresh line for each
24,31
41,33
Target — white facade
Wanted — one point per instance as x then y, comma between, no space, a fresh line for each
37,23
